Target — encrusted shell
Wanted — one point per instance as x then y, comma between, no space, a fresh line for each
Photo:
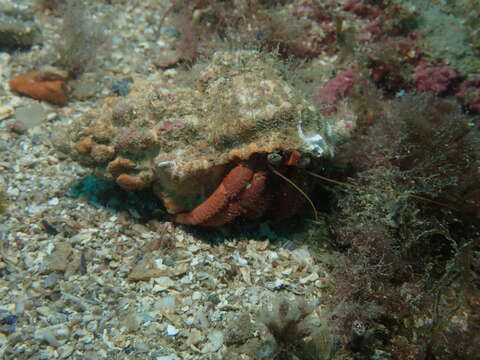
181,140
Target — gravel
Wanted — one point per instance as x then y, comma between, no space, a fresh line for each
80,282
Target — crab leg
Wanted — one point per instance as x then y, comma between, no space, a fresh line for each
245,200
235,181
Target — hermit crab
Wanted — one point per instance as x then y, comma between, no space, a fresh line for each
230,142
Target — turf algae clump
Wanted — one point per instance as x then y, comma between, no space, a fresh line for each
181,140
405,232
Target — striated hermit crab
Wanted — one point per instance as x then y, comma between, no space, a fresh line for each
228,143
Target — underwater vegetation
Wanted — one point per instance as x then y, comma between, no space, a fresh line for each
296,333
293,28
82,38
405,230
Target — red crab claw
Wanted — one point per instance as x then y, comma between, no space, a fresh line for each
215,206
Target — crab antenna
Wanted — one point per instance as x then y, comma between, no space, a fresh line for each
278,173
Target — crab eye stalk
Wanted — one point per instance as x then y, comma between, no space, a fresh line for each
275,159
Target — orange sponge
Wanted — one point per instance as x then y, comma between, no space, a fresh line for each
41,86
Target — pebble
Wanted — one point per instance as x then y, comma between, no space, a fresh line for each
52,279
12,191
59,259
122,87
3,340
47,336
166,303
276,285
167,357
87,339
8,319
309,278
30,115
172,330
146,269
132,322
141,346
63,332
302,256
6,111
216,341
201,319
195,337
66,351
92,326
163,283
197,295
52,116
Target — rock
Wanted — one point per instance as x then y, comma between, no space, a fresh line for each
195,337
166,303
46,335
132,322
17,30
65,351
122,87
167,58
30,115
172,330
216,341
167,357
41,85
6,111
87,86
59,259
163,283
145,269
17,127
239,329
